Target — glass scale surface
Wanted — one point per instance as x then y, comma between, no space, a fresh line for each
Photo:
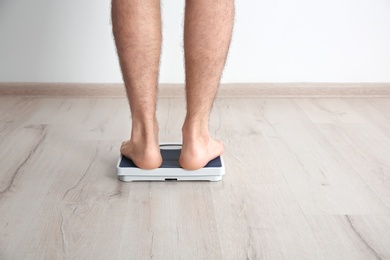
170,169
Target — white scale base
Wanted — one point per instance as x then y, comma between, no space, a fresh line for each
170,169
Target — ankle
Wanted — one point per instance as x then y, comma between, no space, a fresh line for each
199,122
195,134
145,131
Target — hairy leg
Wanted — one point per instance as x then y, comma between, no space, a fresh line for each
208,29
137,32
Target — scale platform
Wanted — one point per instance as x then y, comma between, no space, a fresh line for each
170,169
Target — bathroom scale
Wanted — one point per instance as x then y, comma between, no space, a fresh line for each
170,169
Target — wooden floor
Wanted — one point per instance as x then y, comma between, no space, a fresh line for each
306,178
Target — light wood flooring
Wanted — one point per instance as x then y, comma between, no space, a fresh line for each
306,178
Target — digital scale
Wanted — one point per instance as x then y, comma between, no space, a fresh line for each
170,170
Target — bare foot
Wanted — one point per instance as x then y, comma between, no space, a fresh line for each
198,151
143,147
143,156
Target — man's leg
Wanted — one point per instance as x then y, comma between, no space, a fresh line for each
207,34
137,31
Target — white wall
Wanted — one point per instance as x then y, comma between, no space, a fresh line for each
274,41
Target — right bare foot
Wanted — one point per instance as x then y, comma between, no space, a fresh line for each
197,151
143,149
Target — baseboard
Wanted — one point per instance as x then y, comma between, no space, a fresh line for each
117,90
